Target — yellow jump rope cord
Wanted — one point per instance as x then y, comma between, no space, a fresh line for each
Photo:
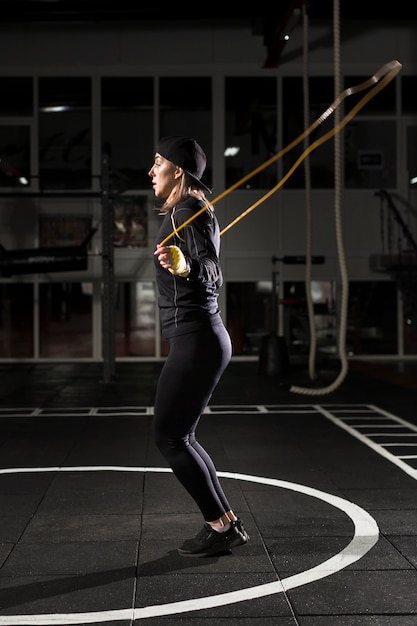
380,79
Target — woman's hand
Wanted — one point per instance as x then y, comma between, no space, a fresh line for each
172,259
164,255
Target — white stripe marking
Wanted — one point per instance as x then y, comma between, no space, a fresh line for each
365,537
379,448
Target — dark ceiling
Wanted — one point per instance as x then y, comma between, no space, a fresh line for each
41,11
272,22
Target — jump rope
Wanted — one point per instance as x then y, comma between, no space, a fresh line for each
377,81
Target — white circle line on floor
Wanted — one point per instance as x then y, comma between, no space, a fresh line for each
365,536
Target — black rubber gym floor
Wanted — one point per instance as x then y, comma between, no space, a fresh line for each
326,485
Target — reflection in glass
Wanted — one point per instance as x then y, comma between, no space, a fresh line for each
135,319
130,221
65,133
296,316
372,317
251,128
16,96
408,94
370,155
16,320
248,318
321,160
63,230
15,168
409,302
191,116
411,151
127,129
65,314
383,103
251,310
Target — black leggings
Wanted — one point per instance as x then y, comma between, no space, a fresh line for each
188,378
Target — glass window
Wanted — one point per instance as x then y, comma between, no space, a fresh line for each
65,313
248,319
16,320
409,301
296,323
251,130
321,160
15,170
372,317
135,320
253,313
127,129
130,221
370,154
63,230
409,94
65,133
16,96
185,109
383,103
411,152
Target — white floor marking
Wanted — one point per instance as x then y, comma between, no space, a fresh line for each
358,430
365,537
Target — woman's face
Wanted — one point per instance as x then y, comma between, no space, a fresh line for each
165,176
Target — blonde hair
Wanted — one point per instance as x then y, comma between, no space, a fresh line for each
187,188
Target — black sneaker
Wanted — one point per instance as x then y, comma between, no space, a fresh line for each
209,541
239,526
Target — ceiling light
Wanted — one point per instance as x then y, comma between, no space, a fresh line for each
231,151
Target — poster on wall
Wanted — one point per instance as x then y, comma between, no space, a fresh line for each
130,221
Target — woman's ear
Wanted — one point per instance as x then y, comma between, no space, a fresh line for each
178,172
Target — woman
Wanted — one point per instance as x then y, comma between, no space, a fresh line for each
188,275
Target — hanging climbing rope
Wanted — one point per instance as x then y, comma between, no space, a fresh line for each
307,177
339,237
